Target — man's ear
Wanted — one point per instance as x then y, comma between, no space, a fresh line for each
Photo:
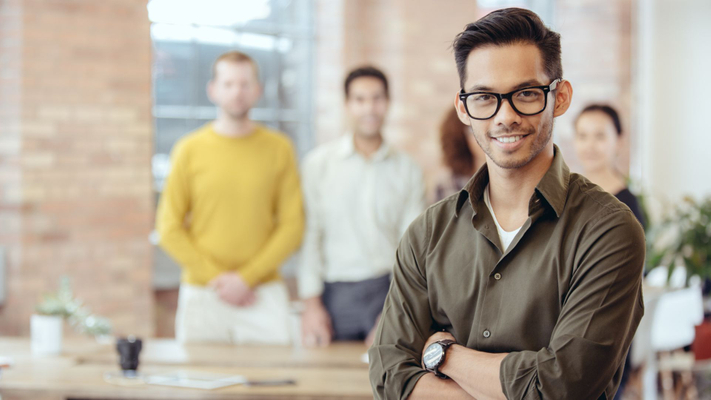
563,97
461,110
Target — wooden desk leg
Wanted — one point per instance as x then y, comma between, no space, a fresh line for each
687,382
667,378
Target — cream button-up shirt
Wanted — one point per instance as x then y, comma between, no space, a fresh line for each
356,211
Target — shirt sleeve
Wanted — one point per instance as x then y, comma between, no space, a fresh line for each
311,268
406,321
632,202
597,320
289,231
415,203
173,207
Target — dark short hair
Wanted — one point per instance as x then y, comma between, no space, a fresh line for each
607,110
366,71
509,26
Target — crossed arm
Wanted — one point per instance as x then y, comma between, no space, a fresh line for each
473,374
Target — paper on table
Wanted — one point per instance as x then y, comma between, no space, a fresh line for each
195,380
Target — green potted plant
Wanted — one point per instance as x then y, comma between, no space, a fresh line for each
47,324
683,238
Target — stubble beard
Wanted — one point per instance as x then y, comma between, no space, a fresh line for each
539,143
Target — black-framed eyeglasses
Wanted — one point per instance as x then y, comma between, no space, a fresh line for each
526,101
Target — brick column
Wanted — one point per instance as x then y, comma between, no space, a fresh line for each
83,182
10,172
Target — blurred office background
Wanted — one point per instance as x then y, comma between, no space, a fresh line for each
93,94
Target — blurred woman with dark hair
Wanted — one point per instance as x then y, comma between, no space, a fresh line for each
597,135
462,155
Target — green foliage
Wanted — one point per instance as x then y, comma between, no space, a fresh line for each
683,238
62,303
65,305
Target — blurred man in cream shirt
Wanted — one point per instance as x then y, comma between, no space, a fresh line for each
361,195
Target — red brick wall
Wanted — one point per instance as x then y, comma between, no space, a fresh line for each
84,198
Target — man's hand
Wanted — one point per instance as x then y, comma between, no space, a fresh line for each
476,372
316,327
435,338
232,289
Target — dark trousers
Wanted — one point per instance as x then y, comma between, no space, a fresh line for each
354,307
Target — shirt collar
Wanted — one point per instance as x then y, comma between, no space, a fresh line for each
347,149
553,187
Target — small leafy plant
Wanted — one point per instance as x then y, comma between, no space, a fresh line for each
64,304
683,238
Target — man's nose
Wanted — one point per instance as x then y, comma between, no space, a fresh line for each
507,116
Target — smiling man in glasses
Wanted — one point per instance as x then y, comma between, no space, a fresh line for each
527,283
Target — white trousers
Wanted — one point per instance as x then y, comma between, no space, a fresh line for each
203,318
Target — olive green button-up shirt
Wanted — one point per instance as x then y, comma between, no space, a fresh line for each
564,300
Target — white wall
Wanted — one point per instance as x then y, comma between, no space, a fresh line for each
674,98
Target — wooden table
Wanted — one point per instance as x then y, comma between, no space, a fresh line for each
170,352
336,372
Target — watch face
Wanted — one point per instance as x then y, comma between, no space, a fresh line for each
433,355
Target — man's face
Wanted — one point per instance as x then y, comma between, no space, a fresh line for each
235,88
367,104
510,140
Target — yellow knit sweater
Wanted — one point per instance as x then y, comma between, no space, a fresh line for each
231,204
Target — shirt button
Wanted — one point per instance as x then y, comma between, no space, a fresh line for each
487,333
497,276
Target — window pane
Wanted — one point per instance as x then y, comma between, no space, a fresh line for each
301,134
171,67
168,131
294,91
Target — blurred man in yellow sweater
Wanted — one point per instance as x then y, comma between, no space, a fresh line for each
230,214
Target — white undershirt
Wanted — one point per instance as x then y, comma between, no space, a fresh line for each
505,237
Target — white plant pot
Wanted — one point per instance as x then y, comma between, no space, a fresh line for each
46,334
